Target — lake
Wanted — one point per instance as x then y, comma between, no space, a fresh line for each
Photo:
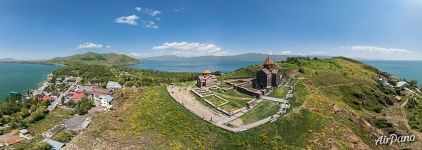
409,70
194,66
21,77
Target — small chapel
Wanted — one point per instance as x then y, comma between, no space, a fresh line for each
206,79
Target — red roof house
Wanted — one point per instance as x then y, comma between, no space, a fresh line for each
78,96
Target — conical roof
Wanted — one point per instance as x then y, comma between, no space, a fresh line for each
269,61
206,71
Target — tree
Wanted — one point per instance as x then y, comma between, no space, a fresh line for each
71,103
412,103
41,146
84,106
413,83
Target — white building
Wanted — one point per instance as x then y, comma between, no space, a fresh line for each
383,81
113,85
106,101
401,85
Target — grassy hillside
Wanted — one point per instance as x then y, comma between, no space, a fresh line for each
338,104
94,58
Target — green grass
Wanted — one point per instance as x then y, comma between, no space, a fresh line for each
263,110
229,107
155,114
414,113
233,93
215,100
235,102
299,96
156,120
53,118
280,92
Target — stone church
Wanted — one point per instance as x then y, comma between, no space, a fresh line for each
206,79
268,76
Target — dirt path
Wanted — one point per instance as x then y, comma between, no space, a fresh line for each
183,96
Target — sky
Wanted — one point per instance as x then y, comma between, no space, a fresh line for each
370,29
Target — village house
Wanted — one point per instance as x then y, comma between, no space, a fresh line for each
401,85
55,95
105,101
24,133
59,80
113,85
383,81
268,76
77,96
206,79
55,145
45,98
98,92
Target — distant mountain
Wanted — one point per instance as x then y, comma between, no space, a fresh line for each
7,60
242,57
94,58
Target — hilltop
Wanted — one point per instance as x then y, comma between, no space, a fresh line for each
338,104
7,60
94,58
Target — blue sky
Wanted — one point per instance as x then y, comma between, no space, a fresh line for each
374,29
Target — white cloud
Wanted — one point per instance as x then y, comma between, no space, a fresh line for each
131,20
151,24
286,52
319,52
108,46
138,8
135,54
89,45
192,49
132,54
152,12
379,49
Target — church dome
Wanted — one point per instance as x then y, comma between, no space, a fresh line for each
206,71
269,60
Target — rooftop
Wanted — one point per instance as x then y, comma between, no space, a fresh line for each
269,60
401,84
56,145
113,85
78,96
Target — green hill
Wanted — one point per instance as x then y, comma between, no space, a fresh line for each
94,58
338,104
254,57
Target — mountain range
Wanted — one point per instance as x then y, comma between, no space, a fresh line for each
7,60
94,58
242,57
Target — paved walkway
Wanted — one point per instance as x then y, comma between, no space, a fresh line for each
279,100
189,102
183,96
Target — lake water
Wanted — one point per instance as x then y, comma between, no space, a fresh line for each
410,70
194,66
21,77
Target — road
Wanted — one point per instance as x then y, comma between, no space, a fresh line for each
57,101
